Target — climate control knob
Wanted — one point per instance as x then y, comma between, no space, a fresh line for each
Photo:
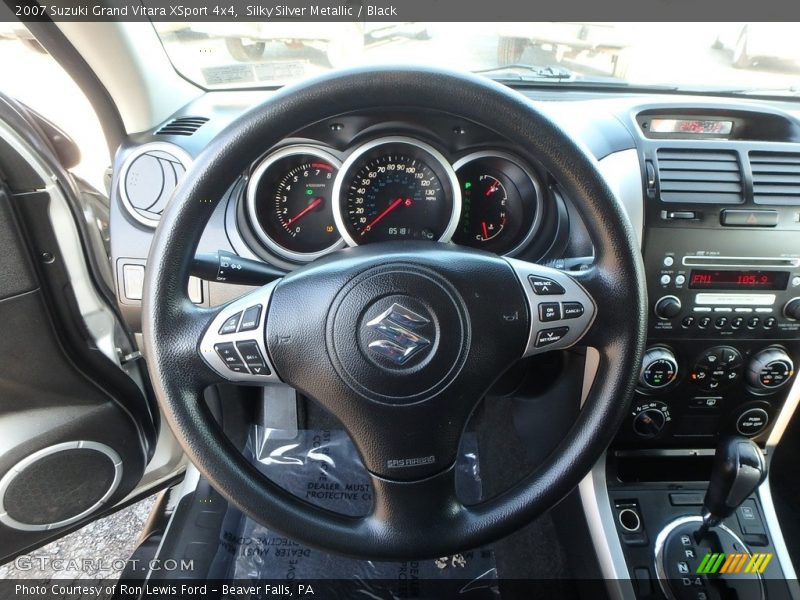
770,369
668,307
792,309
659,368
649,419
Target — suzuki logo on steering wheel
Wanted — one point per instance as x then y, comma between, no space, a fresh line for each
396,325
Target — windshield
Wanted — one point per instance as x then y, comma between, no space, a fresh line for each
734,57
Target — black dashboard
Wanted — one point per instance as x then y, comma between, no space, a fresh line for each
711,186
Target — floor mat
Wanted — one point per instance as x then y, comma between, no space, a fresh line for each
323,468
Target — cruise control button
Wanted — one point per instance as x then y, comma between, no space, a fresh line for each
542,286
549,311
230,324
252,357
227,353
547,337
572,310
250,318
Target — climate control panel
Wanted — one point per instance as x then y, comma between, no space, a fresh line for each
690,392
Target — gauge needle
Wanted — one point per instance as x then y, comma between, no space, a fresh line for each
305,211
397,202
485,230
492,188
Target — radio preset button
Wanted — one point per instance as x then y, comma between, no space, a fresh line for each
763,310
723,309
744,309
737,322
687,322
702,309
704,322
753,322
721,322
769,322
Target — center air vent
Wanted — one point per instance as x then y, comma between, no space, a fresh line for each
700,176
182,126
148,177
776,177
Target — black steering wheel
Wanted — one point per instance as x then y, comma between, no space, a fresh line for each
399,341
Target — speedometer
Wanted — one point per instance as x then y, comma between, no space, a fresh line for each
396,189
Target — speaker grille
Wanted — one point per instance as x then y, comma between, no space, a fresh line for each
58,485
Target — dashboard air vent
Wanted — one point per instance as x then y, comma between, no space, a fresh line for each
147,179
700,176
776,177
182,126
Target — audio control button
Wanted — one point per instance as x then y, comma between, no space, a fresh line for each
769,322
702,309
753,322
668,261
737,323
704,322
680,280
230,324
688,321
665,279
721,322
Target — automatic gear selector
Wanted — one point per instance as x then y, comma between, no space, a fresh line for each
684,546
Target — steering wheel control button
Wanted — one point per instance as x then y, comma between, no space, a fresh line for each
230,325
227,353
572,310
752,422
549,311
250,318
548,337
252,357
543,286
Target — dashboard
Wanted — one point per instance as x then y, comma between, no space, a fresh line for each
710,186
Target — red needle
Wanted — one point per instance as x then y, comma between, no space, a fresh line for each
492,189
305,211
397,202
485,230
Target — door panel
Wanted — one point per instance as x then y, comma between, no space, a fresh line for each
77,425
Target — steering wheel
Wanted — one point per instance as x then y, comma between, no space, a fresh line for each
401,340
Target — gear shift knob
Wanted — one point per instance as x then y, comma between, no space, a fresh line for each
738,469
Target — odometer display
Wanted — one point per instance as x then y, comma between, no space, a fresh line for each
290,202
393,189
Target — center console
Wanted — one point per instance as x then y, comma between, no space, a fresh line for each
721,249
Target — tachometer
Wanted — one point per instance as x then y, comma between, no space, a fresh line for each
396,189
501,202
289,200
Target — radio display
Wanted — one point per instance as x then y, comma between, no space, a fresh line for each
738,280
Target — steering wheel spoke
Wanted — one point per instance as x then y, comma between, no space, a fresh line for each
561,309
233,342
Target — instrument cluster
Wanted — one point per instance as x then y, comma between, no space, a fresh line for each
303,200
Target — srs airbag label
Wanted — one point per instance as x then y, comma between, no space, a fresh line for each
399,463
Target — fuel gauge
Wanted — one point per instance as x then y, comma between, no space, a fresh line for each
500,203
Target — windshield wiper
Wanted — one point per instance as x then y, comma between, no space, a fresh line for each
531,72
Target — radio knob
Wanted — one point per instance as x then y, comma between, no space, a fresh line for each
792,309
770,369
659,368
668,307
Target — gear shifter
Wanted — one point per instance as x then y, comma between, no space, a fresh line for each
738,469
